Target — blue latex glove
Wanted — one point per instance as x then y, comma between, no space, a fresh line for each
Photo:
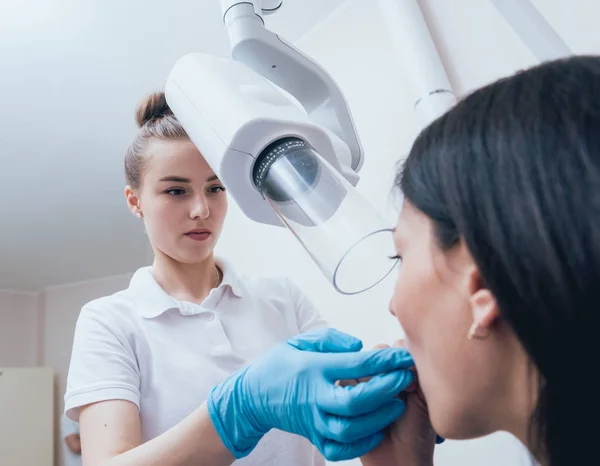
293,389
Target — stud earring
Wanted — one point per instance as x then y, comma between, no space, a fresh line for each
476,334
138,215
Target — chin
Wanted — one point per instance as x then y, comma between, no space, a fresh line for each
195,256
198,257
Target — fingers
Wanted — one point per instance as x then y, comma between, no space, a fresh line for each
334,451
367,363
327,340
349,430
365,397
352,382
378,346
413,386
381,346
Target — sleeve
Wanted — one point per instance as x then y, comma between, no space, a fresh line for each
103,364
307,315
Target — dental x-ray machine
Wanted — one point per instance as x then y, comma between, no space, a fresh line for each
278,132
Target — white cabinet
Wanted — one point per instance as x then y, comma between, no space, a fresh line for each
26,417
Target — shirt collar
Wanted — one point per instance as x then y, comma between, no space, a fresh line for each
230,278
154,301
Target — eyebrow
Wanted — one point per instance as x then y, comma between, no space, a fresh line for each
180,179
176,179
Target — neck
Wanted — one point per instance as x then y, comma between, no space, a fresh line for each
517,408
186,282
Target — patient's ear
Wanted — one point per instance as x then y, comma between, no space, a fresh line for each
484,307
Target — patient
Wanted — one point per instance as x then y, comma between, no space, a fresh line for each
499,289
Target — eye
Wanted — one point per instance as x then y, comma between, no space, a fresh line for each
216,189
397,260
175,191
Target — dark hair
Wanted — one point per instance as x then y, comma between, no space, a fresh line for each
514,171
156,121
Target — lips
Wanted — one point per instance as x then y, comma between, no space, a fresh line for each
199,234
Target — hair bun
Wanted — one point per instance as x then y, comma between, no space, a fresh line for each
153,107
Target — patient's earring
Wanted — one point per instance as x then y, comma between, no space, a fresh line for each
138,215
476,333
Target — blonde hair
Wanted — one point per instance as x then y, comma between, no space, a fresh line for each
156,121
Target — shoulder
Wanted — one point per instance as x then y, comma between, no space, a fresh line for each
121,300
117,311
141,290
117,305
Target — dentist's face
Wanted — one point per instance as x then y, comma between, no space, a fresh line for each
461,379
182,201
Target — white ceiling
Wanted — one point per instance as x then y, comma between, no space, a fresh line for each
71,74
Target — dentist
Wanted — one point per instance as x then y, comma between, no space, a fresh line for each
193,364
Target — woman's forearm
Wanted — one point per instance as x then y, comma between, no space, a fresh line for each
192,441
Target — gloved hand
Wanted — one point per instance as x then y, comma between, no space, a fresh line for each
410,440
293,389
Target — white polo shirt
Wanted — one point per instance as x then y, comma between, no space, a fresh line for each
164,355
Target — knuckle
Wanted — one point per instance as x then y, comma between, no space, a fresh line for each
344,398
352,403
328,332
373,360
337,430
333,453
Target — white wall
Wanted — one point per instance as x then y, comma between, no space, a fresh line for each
19,345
